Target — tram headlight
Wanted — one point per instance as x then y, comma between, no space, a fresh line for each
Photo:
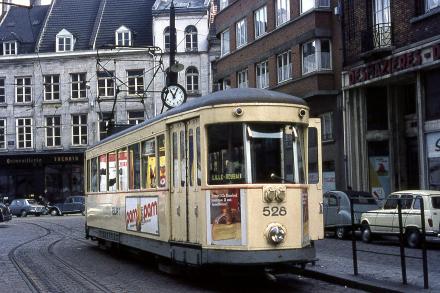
275,233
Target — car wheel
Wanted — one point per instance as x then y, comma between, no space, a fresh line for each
23,213
37,215
366,233
413,238
54,212
341,232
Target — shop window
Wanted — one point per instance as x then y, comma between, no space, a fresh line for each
377,108
432,95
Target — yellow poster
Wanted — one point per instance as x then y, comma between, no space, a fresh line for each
151,172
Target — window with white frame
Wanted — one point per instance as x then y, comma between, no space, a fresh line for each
79,130
23,90
64,41
192,80
167,39
191,38
282,11
10,48
78,86
327,126
284,66
106,84
223,4
2,134
224,42
135,117
240,33
307,5
242,79
382,23
2,91
135,80
431,4
123,37
53,131
24,133
316,56
262,74
260,21
51,87
104,127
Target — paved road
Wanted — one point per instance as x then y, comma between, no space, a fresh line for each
50,254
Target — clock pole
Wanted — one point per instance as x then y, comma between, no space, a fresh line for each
172,76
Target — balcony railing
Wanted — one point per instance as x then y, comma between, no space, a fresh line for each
377,37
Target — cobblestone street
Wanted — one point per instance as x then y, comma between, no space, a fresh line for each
50,254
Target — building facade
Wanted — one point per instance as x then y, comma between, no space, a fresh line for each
292,47
391,94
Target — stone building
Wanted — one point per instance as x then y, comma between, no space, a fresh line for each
391,94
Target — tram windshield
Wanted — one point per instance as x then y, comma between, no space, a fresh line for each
255,153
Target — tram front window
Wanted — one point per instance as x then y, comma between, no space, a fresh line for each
268,149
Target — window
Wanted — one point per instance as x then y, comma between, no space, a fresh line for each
51,87
260,21
78,85
327,126
79,129
282,11
24,133
10,48
104,128
53,131
2,91
192,80
149,164
103,173
106,84
307,5
224,42
223,4
135,82
382,23
431,4
65,41
2,134
332,200
112,171
242,79
135,167
167,36
191,38
23,90
122,169
406,201
123,37
316,56
262,75
240,32
284,66
135,117
391,202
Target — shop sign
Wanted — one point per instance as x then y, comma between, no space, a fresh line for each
433,144
395,64
141,214
24,161
66,159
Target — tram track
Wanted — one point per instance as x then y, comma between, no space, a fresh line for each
45,271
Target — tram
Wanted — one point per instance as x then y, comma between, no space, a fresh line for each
231,178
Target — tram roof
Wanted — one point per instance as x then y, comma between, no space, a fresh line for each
229,96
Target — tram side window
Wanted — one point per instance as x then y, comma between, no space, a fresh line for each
112,171
94,175
149,164
162,161
313,156
225,154
88,176
199,164
123,169
191,156
135,167
182,158
175,161
103,173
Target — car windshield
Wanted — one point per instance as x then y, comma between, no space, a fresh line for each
435,202
32,201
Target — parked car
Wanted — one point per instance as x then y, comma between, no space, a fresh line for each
337,212
24,207
385,221
5,213
72,205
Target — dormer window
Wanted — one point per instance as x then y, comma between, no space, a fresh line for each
10,48
65,41
123,37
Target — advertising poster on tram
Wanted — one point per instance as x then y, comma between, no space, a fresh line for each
142,214
225,217
112,171
123,169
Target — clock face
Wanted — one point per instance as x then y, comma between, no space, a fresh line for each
173,95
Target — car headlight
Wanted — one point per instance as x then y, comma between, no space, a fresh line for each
275,233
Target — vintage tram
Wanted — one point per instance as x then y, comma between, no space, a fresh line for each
233,178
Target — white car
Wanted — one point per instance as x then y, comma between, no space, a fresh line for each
385,221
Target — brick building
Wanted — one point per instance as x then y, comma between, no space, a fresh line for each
391,94
289,46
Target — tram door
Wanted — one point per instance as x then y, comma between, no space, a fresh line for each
185,185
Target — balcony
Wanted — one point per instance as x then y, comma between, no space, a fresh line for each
377,40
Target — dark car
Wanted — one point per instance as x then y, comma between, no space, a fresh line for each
24,207
72,205
5,213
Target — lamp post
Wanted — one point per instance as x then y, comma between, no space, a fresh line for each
172,74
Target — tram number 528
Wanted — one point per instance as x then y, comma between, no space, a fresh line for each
274,211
